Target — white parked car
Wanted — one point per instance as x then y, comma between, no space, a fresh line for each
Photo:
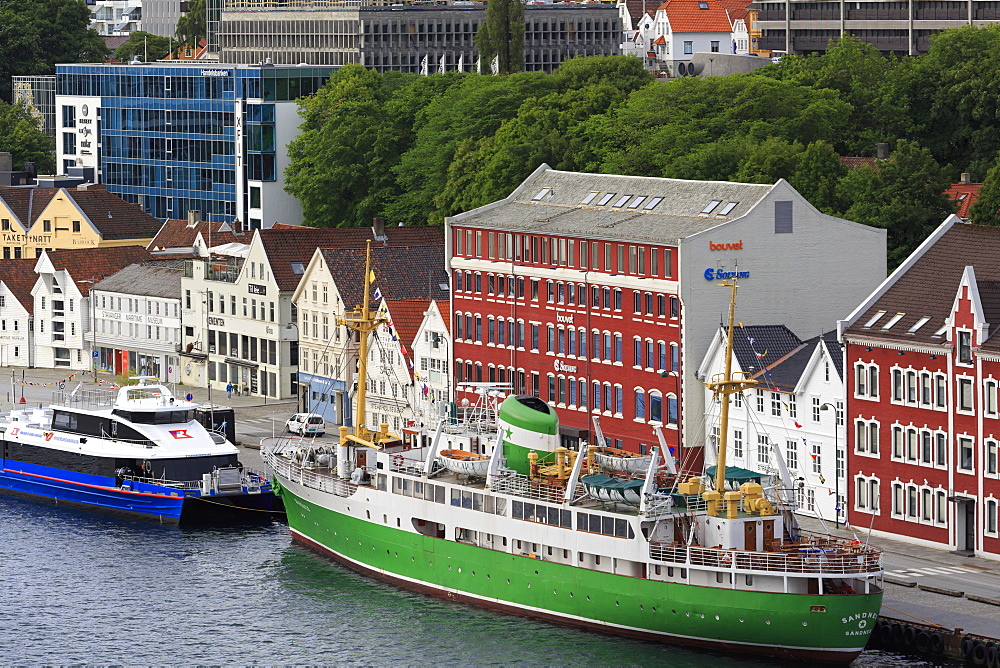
306,424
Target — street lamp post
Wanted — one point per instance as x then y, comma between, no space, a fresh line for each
836,460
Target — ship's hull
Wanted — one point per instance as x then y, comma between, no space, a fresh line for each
772,624
146,501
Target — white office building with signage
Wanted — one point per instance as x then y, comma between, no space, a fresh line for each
136,322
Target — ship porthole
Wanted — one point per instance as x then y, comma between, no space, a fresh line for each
687,614
640,607
767,621
487,576
617,603
508,580
459,570
805,623
588,598
741,620
571,594
654,608
529,585
413,559
716,618
554,591
449,567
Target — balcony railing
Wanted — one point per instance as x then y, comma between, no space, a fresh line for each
820,557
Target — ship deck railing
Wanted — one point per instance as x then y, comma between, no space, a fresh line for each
321,478
823,558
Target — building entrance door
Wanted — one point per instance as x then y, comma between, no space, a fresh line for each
965,525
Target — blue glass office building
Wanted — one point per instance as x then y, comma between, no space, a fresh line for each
175,137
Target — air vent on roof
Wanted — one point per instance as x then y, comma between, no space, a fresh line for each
726,209
607,198
874,318
918,324
711,206
652,203
893,320
589,198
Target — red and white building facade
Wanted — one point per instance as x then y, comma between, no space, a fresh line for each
923,365
599,292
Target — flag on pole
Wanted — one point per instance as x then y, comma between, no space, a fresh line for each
371,276
441,65
378,294
479,65
403,349
423,67
495,65
461,62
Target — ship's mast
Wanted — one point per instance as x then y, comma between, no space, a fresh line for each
725,386
364,322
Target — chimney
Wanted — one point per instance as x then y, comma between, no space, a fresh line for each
30,168
378,227
882,151
193,216
966,178
6,162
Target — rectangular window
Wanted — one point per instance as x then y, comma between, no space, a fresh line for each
688,47
965,450
964,347
965,394
783,217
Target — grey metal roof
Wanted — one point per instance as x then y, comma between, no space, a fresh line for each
560,210
146,280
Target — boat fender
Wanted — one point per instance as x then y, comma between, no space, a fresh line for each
922,642
897,634
397,460
909,636
937,643
881,632
967,645
978,653
726,559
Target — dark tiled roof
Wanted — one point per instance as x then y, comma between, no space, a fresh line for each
635,11
87,266
965,194
836,352
928,287
113,216
27,203
854,162
19,276
285,246
757,345
180,234
401,272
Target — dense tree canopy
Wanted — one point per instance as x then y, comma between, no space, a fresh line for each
193,26
417,149
147,46
36,35
20,136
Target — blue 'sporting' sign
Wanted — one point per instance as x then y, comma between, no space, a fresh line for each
718,274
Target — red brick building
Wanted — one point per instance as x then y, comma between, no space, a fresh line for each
923,364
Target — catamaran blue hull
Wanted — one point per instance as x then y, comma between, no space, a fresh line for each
147,501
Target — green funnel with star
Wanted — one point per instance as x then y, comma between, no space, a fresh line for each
526,424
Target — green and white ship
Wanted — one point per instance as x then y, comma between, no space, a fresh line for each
537,530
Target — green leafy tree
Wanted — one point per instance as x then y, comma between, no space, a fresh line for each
36,35
192,27
986,209
21,137
817,174
903,195
626,73
147,46
502,36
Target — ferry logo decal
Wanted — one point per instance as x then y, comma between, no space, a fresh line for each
13,432
48,435
180,433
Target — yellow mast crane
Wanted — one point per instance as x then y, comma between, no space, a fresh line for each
364,322
723,385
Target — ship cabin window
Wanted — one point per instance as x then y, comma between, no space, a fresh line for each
63,420
155,417
608,526
532,512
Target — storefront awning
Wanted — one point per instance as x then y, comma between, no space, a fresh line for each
239,362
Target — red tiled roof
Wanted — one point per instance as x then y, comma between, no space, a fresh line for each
407,314
180,234
286,245
965,194
853,162
444,307
19,276
659,41
687,16
87,266
737,9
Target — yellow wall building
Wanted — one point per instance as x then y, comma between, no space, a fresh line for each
36,219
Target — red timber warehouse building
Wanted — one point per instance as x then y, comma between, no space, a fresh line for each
597,292
923,365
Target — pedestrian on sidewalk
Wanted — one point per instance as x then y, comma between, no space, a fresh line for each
229,391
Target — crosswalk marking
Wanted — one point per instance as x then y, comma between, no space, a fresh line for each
922,572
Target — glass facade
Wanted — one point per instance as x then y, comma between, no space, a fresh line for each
171,136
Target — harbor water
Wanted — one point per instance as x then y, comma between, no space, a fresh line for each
86,588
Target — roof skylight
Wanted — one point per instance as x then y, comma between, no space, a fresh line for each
607,198
621,201
711,206
298,268
542,194
893,320
590,197
918,324
636,202
941,331
652,203
726,209
874,318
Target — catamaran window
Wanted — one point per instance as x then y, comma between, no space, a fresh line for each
155,417
61,420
